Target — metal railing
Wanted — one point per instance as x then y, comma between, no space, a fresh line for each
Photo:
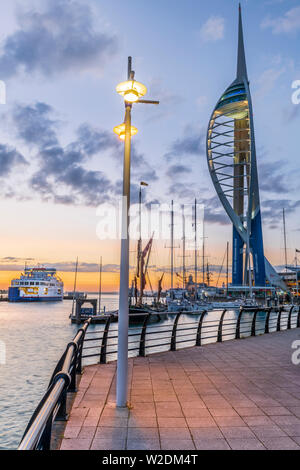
149,338
37,435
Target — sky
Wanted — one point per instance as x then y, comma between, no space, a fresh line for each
61,164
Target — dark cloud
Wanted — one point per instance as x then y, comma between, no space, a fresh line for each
34,125
182,191
272,210
192,143
60,37
91,141
9,159
272,177
177,170
213,210
62,176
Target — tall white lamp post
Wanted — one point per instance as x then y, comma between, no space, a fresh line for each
132,92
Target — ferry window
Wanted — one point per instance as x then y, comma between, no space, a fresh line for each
37,283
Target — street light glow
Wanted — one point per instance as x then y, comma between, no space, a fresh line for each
120,131
131,90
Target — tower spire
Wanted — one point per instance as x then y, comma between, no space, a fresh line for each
241,59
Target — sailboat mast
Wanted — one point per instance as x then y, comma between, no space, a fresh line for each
100,285
140,233
203,255
75,281
196,267
183,249
172,244
284,233
227,249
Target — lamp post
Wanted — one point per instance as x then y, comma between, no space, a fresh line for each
131,91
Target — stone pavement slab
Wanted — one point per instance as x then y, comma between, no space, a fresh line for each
240,395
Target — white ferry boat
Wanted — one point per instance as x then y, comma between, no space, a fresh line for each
36,284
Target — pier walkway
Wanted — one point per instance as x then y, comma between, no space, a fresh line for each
239,394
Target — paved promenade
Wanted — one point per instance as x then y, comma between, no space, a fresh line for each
240,394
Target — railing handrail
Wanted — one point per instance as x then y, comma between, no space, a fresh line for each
53,403
217,329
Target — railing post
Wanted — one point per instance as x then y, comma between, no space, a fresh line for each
298,319
289,324
220,329
72,387
62,410
104,340
253,326
173,337
267,324
45,441
80,347
143,336
238,325
199,329
279,318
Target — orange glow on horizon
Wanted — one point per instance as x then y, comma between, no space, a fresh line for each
89,281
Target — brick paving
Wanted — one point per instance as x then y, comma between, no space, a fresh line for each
240,394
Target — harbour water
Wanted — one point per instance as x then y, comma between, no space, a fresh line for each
35,335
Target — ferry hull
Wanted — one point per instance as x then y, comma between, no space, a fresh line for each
14,296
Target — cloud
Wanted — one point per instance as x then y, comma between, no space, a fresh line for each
212,29
192,143
288,23
272,178
33,124
272,210
213,210
177,170
60,37
62,175
9,159
267,80
11,263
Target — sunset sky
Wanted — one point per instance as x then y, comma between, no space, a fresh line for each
61,164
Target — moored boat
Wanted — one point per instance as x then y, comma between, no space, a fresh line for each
36,284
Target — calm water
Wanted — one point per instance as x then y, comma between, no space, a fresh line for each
35,336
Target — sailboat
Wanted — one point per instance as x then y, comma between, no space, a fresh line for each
140,309
179,299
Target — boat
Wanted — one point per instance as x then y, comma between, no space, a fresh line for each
229,304
36,284
250,304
